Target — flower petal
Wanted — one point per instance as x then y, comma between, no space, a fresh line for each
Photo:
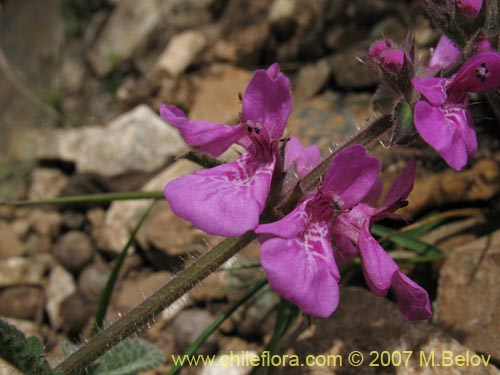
305,158
303,270
226,200
378,266
346,251
267,101
208,137
480,73
439,129
434,89
470,7
351,176
291,225
446,55
401,187
413,300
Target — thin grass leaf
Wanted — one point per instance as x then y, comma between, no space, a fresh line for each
113,276
216,324
92,198
404,240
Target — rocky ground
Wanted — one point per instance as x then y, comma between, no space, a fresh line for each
83,81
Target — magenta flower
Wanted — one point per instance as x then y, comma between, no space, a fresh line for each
352,237
387,55
444,121
470,7
296,254
304,158
446,55
227,200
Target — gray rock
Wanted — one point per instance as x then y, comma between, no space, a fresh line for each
74,250
310,80
46,183
127,29
92,280
468,303
180,52
75,312
368,324
189,324
138,140
59,286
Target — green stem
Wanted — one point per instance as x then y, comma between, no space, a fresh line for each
92,198
154,305
113,276
216,324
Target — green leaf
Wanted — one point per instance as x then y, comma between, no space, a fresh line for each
22,353
128,358
405,240
404,130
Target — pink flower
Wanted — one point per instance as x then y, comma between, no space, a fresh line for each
351,234
446,55
444,121
387,55
296,252
470,7
304,158
227,200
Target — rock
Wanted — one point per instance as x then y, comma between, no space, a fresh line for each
74,250
217,94
127,29
72,219
390,27
480,183
310,80
45,223
383,329
59,286
349,72
282,11
10,244
138,140
21,302
24,271
92,280
468,303
46,183
329,119
75,312
112,230
169,233
188,325
130,292
239,351
180,52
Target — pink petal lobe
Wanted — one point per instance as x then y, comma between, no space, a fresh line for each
402,186
470,7
434,89
351,176
291,225
441,129
446,55
305,158
267,101
413,300
303,270
378,266
480,73
208,137
226,200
